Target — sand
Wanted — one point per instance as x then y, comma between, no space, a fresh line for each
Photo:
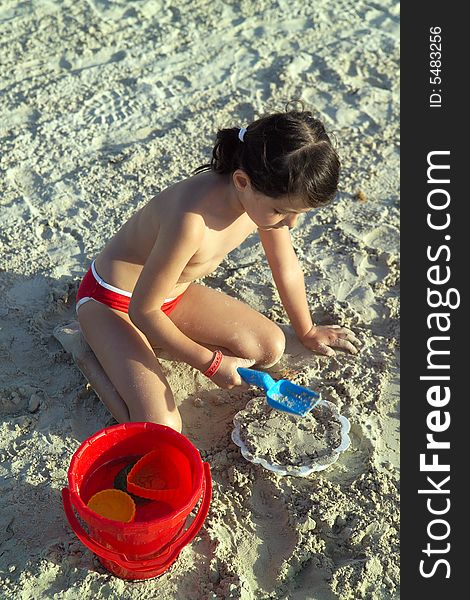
103,104
288,440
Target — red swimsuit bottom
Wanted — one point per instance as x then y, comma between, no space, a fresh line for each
93,287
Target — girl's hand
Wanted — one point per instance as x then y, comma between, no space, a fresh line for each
227,376
323,338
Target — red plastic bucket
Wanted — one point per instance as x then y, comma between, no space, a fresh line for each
147,546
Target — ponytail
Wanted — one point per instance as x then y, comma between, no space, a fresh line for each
284,154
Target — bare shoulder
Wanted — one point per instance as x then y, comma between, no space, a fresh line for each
176,212
186,226
178,222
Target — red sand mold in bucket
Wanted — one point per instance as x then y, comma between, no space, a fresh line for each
150,544
161,475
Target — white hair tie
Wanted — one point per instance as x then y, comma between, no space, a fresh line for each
241,133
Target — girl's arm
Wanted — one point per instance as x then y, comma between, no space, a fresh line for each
175,245
288,277
290,282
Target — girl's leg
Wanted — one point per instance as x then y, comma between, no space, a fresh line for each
214,319
72,340
130,363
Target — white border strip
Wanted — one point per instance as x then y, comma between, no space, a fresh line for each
82,301
108,286
112,288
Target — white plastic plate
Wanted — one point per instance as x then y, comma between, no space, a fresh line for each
304,470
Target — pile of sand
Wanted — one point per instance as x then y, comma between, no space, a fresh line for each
102,105
284,439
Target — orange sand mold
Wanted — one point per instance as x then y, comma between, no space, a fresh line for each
113,504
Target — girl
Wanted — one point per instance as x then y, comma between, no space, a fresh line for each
139,293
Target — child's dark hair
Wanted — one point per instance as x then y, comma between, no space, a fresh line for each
284,154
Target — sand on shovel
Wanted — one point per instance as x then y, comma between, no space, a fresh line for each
287,440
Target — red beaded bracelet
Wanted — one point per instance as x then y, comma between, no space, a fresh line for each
215,364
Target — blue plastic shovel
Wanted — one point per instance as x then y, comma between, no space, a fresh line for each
282,394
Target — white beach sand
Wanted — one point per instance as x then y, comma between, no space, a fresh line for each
103,104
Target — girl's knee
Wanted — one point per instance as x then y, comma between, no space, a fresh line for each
174,421
274,348
267,347
171,420
159,414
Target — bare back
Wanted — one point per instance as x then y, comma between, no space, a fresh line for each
121,261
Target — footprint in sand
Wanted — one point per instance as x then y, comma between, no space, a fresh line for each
384,237
277,540
370,268
355,462
112,10
108,107
347,285
12,402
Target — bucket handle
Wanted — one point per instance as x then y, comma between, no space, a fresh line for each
121,559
